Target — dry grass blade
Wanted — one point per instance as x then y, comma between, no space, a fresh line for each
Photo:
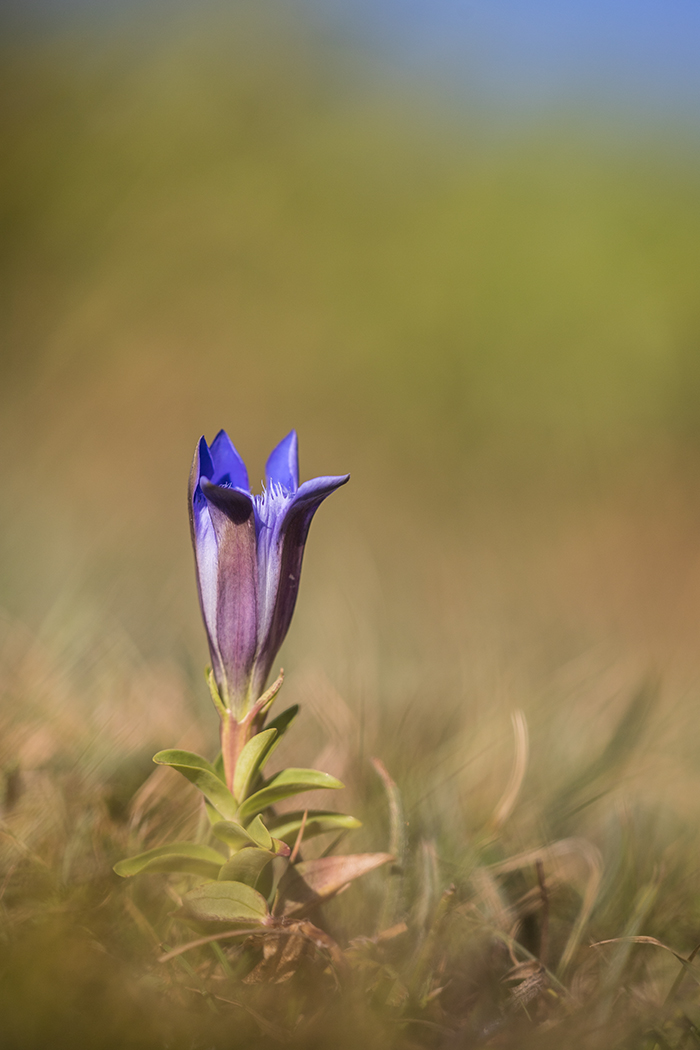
393,896
300,835
285,944
641,939
612,979
429,886
555,855
516,949
490,897
226,935
544,925
509,798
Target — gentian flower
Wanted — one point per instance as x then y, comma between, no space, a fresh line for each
248,551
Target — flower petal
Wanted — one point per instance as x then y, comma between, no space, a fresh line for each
205,552
202,465
236,504
282,467
229,468
279,576
233,522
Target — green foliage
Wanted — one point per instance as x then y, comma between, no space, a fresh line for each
204,776
229,902
251,760
285,784
315,821
246,866
236,836
230,893
189,857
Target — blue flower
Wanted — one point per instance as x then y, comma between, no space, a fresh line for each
248,551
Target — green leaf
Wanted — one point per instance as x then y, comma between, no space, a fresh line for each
186,857
267,699
282,785
246,866
229,902
235,836
251,760
218,702
213,814
318,821
283,722
306,884
203,775
257,830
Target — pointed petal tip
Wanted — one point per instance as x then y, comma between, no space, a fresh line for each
319,488
202,466
229,468
282,467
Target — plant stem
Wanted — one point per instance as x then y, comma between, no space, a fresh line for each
234,737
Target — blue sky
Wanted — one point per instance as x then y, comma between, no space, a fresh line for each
625,51
638,53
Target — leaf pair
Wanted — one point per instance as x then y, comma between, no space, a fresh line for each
236,806
252,853
302,886
237,837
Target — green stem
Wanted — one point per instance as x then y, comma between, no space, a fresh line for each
234,737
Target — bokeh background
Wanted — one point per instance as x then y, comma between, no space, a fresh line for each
457,246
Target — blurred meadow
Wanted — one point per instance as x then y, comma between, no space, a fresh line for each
241,221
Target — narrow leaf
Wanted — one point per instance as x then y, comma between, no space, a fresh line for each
251,760
257,830
283,785
225,902
313,881
318,821
246,866
238,837
203,775
393,907
217,701
266,700
283,721
188,857
213,814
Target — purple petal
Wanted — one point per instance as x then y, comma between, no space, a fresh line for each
229,468
282,467
279,575
237,602
235,504
205,552
236,616
203,465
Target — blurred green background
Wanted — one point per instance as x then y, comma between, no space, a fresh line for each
493,325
